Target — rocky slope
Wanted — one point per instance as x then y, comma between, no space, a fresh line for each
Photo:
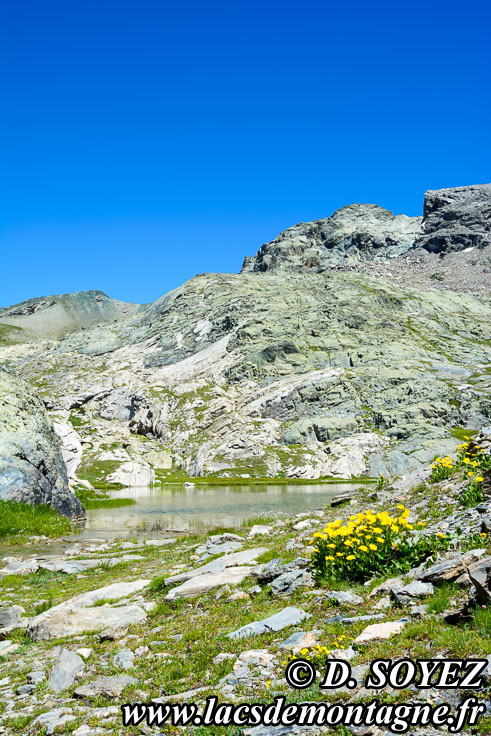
297,367
32,469
54,316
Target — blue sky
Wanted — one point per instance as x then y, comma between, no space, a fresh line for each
144,142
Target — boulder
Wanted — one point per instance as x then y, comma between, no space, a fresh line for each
109,687
133,474
480,575
278,621
449,570
289,582
124,659
32,469
65,670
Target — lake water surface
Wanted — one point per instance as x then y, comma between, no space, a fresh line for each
179,508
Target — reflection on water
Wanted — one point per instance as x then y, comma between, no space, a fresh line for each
169,508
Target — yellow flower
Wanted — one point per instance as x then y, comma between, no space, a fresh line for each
340,554
352,557
380,539
394,528
331,546
268,684
479,478
470,473
474,464
363,548
304,651
439,534
466,460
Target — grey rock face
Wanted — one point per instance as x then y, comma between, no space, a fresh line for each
456,219
358,232
66,668
480,575
31,465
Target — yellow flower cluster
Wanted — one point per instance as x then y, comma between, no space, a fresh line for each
319,652
364,532
443,462
470,455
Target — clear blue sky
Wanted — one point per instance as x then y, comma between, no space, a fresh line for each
146,141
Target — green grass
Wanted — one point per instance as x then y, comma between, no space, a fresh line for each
440,601
460,433
93,500
21,518
275,481
10,334
96,473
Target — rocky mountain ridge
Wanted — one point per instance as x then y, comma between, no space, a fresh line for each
286,369
453,220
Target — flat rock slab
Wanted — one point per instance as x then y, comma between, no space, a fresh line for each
448,570
53,719
287,617
215,566
344,596
78,615
298,641
7,647
69,567
204,583
111,687
66,668
341,618
416,589
380,632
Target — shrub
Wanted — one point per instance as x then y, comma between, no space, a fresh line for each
369,544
